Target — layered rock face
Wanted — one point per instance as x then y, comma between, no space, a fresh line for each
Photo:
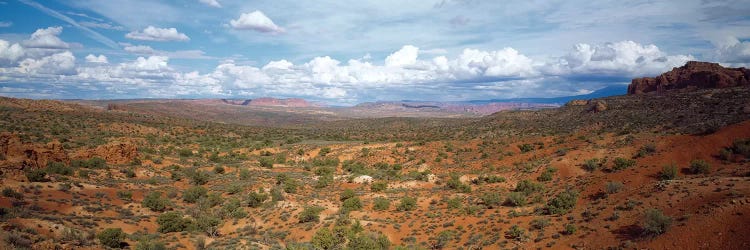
692,74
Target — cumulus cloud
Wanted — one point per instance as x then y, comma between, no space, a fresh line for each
625,58
46,39
96,59
407,55
257,21
55,64
732,50
212,3
152,33
10,53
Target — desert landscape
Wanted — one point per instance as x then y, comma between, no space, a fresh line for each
374,124
664,166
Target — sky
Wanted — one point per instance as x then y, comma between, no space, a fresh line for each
344,52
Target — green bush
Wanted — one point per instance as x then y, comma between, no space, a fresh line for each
10,193
266,162
58,168
622,163
346,194
368,241
454,203
192,194
208,224
125,195
528,187
668,172
525,148
699,167
539,224
128,172
379,186
94,163
351,204
647,149
37,175
111,237
741,147
655,222
381,204
613,187
517,233
219,169
310,214
455,183
197,177
172,221
562,203
515,199
592,165
570,229
155,202
244,174
149,244
407,204
324,181
323,239
491,199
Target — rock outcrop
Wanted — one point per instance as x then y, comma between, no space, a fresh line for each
113,152
29,155
692,74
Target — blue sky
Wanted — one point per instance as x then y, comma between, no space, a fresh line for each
345,52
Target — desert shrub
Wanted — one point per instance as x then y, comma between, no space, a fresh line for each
324,181
647,149
128,172
351,204
379,186
547,174
562,203
10,193
208,224
515,199
232,208
655,222
197,177
150,244
699,167
528,187
323,239
346,194
407,204
58,168
219,169
244,174
570,229
454,203
83,173
455,183
622,163
525,148
276,194
381,204
185,152
37,175
310,214
668,172
125,195
266,162
517,233
741,147
290,186
192,194
613,187
155,202
592,164
111,237
368,241
491,199
539,224
172,221
324,151
94,163
443,238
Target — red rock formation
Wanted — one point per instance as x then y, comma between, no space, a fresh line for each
28,155
290,102
113,152
692,74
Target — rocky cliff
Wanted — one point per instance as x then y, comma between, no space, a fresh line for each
692,74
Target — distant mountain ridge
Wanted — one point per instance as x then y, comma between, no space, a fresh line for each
270,101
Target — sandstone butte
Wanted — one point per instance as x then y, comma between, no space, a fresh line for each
693,74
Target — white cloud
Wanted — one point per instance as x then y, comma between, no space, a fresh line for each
733,51
46,39
625,58
212,3
182,54
5,24
10,53
152,63
257,21
152,33
139,49
96,59
101,25
407,55
55,64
